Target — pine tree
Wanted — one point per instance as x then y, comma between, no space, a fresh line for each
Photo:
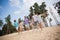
8,27
31,12
1,23
36,8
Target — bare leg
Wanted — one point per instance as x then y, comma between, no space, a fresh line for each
27,29
40,24
21,29
18,30
32,26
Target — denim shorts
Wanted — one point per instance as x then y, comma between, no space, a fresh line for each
35,23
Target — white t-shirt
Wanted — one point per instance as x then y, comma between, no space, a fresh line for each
35,17
39,18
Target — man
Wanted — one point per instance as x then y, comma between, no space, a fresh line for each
35,19
20,26
40,21
26,22
16,24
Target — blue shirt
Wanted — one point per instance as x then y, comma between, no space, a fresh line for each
15,24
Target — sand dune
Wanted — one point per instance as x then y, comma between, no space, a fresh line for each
48,33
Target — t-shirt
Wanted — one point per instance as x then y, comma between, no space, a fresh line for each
35,17
26,21
15,24
39,18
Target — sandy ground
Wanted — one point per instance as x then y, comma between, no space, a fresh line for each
48,33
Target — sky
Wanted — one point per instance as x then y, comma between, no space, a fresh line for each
19,8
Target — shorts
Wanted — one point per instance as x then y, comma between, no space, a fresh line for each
16,28
27,25
40,20
35,23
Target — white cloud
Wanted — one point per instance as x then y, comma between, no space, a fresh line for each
28,3
17,12
15,3
24,9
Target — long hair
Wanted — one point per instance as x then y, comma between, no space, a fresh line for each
19,21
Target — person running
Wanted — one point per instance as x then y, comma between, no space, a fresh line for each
21,27
31,24
16,24
26,22
35,20
40,21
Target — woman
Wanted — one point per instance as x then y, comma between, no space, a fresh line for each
32,24
40,22
20,28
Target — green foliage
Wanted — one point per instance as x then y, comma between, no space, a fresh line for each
7,19
4,29
0,32
31,12
58,5
37,9
8,27
1,22
42,7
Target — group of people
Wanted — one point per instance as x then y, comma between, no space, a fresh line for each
34,23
